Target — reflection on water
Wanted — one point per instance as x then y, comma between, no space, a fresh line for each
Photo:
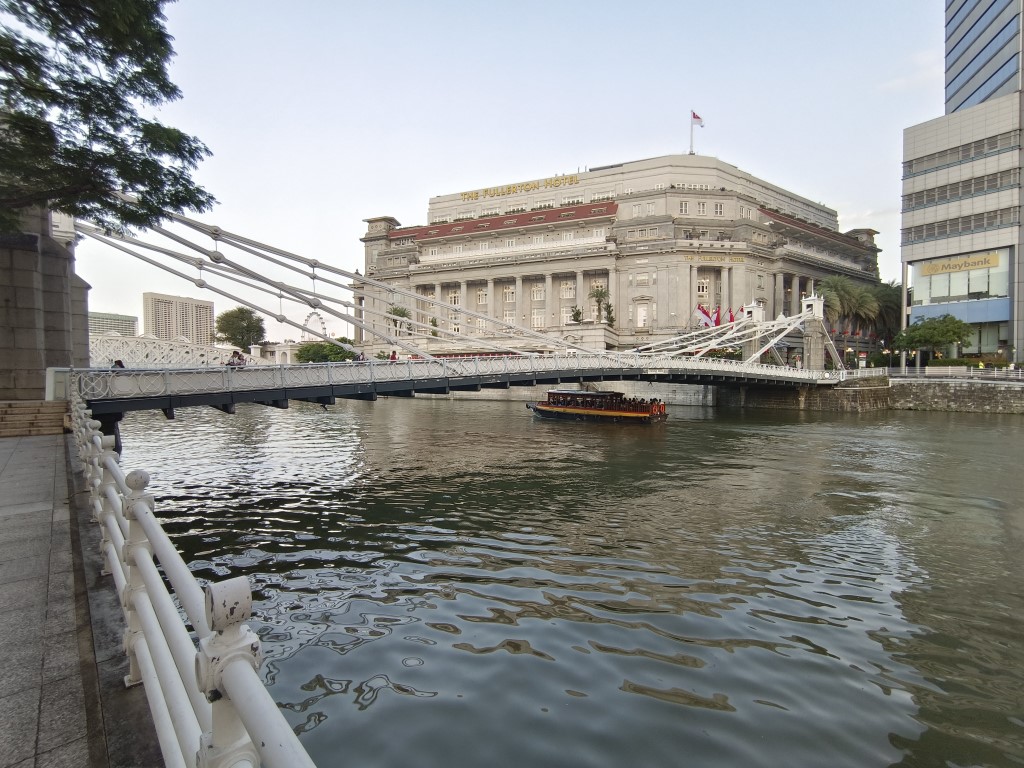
458,584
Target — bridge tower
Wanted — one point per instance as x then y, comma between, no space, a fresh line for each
814,333
755,312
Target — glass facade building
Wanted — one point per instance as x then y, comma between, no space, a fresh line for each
983,51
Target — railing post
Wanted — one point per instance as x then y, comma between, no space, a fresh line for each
228,605
137,480
102,480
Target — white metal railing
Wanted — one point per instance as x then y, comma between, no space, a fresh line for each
209,706
93,384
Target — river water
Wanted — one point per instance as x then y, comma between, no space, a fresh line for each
459,584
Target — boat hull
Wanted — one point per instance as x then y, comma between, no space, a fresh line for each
588,414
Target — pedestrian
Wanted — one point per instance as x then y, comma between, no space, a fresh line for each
117,364
394,356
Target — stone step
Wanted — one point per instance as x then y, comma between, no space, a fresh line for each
29,431
20,418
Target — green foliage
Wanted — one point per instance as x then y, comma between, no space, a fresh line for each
889,297
599,295
609,315
577,315
433,323
325,352
934,333
74,77
398,315
240,327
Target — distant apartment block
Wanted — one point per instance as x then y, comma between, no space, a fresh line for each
104,322
176,317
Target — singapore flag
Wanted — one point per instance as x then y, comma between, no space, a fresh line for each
696,119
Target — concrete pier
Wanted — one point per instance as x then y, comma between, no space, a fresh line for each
62,696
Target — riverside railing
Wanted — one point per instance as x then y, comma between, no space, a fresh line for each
209,705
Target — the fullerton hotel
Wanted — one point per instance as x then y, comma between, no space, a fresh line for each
660,236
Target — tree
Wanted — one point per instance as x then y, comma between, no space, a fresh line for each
74,76
325,352
890,304
240,327
933,333
576,314
398,315
609,315
599,295
836,292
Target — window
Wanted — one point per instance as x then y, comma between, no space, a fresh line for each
510,241
684,207
567,289
641,315
489,212
484,246
481,324
642,279
659,187
481,296
760,281
568,236
636,210
575,200
719,209
508,293
703,289
538,239
566,315
702,209
598,232
537,292
454,298
704,234
537,317
453,322
432,252
509,316
650,209
456,249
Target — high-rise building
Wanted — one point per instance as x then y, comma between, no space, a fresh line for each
652,238
961,237
104,322
177,317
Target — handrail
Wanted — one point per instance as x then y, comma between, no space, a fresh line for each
242,726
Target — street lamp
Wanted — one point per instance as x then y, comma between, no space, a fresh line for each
888,352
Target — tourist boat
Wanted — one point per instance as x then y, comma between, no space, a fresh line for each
577,405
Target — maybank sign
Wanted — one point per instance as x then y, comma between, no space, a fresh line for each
961,264
526,186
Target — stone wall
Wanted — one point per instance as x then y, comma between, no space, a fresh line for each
964,396
851,396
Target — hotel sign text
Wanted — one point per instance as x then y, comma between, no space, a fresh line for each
526,186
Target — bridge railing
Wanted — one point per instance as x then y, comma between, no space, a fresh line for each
130,383
209,705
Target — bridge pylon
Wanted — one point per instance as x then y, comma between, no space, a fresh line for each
815,337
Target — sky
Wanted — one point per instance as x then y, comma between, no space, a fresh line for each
332,112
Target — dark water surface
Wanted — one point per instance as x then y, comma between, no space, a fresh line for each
459,584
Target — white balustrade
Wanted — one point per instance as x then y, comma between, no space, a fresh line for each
209,706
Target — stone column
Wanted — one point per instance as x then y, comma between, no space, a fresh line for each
794,298
581,297
490,298
726,292
810,286
519,303
688,311
550,305
780,295
463,304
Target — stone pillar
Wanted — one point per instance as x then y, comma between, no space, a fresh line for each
519,302
780,295
688,311
810,286
726,291
37,317
581,297
550,305
794,298
490,298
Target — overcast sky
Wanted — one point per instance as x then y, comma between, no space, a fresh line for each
320,114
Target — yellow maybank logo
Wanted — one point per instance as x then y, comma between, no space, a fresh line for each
961,264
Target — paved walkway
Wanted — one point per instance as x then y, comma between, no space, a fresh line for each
59,699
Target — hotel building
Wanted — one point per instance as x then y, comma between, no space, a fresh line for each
660,236
105,322
961,233
175,317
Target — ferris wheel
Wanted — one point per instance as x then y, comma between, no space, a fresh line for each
306,335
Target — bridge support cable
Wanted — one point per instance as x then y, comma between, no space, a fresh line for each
225,267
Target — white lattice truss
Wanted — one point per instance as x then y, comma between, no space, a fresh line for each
147,352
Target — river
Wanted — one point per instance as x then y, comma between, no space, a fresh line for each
460,584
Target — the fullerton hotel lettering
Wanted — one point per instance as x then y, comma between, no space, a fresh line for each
527,186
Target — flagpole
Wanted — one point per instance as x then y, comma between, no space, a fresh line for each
691,131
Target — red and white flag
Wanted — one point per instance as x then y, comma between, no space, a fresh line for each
703,316
696,119
732,317
716,318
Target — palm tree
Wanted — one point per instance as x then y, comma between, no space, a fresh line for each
397,316
890,305
599,294
862,307
836,291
